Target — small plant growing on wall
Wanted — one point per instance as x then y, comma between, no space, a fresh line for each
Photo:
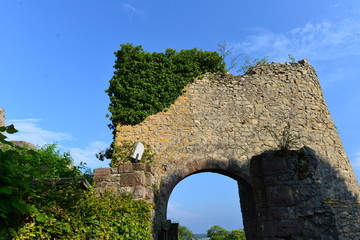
285,139
291,58
249,63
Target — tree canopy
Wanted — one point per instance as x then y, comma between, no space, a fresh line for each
218,233
185,233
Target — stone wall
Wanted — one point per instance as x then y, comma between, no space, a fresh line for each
223,117
220,123
2,118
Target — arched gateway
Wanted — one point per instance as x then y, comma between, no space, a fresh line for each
233,125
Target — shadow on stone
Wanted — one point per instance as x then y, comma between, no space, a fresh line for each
300,196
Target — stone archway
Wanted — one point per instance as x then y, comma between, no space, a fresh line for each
218,125
230,169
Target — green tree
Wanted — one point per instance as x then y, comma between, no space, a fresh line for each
185,233
218,233
237,235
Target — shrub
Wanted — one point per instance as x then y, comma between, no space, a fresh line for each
68,212
44,210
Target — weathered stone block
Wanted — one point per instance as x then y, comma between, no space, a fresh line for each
150,169
139,166
287,228
280,196
271,213
102,171
141,192
134,178
274,166
270,180
125,167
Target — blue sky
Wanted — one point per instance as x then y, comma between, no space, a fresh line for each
56,58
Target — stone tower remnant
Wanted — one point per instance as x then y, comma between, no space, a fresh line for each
232,125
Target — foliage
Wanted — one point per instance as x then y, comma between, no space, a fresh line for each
146,83
226,52
249,63
237,235
52,163
291,58
19,166
14,183
67,212
185,233
122,153
44,210
286,139
219,233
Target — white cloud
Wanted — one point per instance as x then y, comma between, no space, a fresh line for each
174,212
356,162
30,131
324,40
87,155
132,10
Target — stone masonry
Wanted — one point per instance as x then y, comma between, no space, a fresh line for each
229,125
2,118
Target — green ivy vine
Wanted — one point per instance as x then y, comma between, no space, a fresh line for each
146,83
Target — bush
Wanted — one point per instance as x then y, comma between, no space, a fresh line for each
68,212
44,210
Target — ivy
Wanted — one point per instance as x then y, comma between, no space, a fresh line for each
146,83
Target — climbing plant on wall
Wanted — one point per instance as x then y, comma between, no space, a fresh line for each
146,83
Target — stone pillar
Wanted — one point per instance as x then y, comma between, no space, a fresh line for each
297,196
129,178
170,232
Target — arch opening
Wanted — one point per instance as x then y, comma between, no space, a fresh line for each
246,208
203,200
